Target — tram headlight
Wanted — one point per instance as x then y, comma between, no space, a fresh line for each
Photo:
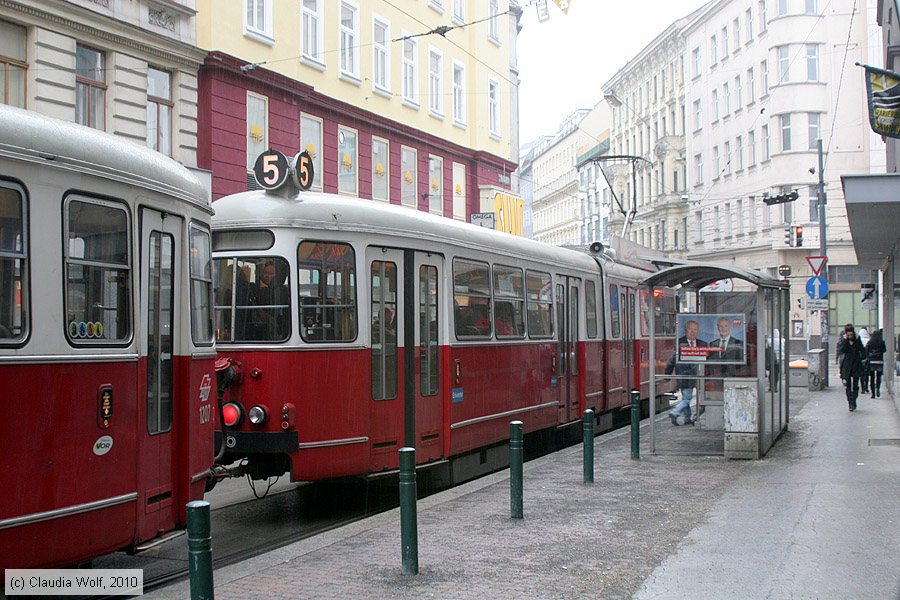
232,414
258,414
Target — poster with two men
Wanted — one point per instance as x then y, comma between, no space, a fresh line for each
712,339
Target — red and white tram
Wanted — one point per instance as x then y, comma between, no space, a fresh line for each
350,328
106,343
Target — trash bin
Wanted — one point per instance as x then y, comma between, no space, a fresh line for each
798,373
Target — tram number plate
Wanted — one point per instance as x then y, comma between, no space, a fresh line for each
204,414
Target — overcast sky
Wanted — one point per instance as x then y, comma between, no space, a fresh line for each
564,62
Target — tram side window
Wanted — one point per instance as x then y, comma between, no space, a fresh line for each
615,323
201,287
98,268
590,307
326,283
13,264
665,313
539,304
509,302
472,299
253,301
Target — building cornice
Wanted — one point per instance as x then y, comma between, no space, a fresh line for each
117,34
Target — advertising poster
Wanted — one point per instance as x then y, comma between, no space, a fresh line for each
717,339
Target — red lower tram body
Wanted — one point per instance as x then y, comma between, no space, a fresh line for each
322,422
77,484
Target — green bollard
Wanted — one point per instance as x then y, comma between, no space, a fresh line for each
635,424
515,469
199,550
588,431
408,531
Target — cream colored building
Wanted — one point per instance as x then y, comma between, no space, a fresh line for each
431,84
125,67
556,202
648,100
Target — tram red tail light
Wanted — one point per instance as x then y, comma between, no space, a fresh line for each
232,414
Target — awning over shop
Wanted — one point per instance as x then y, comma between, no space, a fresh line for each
873,210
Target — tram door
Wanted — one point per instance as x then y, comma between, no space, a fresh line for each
567,307
626,302
158,430
404,302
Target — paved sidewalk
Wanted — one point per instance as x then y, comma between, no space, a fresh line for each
818,518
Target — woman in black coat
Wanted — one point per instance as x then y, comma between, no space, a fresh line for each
851,366
875,350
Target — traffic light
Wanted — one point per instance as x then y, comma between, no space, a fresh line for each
798,235
789,236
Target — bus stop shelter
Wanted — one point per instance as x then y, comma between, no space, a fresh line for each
727,347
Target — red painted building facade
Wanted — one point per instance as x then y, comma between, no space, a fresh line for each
223,133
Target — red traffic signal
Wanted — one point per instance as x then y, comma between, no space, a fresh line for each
798,236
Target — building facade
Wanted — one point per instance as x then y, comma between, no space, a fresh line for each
766,81
557,202
390,107
649,115
127,68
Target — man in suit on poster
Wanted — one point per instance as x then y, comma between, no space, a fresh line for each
726,347
686,385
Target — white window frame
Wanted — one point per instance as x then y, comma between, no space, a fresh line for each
748,24
716,163
698,169
459,94
264,143
763,25
494,21
751,86
344,132
725,42
261,32
814,132
317,151
726,100
414,176
767,148
459,11
348,42
812,62
435,195
751,146
435,82
736,34
410,71
494,107
713,50
386,169
459,191
312,19
698,68
781,8
727,166
698,116
738,93
739,151
786,141
381,56
764,77
784,63
714,109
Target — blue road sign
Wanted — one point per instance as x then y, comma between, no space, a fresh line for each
816,287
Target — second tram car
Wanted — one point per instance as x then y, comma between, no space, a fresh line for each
106,346
350,328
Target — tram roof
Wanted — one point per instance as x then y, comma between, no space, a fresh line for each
31,136
695,275
258,209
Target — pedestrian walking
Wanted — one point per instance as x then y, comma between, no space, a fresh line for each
686,386
875,350
852,354
864,338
